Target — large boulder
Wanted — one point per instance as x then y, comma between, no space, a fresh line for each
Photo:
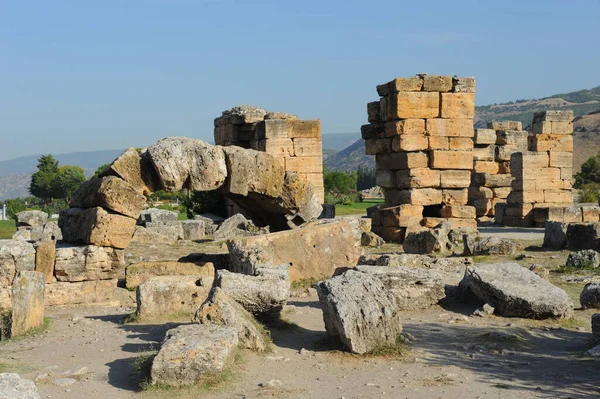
583,236
590,296
515,291
13,386
237,226
137,273
96,226
313,251
493,246
27,302
221,310
110,193
171,296
155,215
182,162
15,256
76,263
585,259
144,235
193,352
264,293
31,218
136,169
414,288
360,311
193,230
429,241
555,235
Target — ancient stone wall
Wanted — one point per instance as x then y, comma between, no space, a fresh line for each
421,133
543,175
297,142
491,178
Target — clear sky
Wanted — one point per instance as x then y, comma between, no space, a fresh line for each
86,75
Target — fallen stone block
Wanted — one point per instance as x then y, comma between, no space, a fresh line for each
155,215
253,172
136,169
137,273
237,226
515,291
15,256
583,236
169,230
13,386
167,296
193,352
590,296
45,257
221,310
27,302
360,311
111,193
76,263
96,226
264,293
211,222
84,292
313,251
193,230
31,218
370,239
414,288
144,235
426,242
492,246
555,235
585,259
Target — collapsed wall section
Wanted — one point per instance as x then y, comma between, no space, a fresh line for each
421,133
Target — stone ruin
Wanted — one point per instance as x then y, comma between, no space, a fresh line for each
421,133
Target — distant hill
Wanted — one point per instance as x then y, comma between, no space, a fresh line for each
350,158
15,174
339,141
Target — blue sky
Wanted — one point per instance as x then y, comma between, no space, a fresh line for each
83,75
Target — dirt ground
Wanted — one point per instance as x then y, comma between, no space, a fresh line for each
88,352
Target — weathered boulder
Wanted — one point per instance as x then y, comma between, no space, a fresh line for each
137,273
110,193
27,302
359,225
167,296
494,246
144,235
211,222
155,215
76,263
264,293
84,292
15,256
51,232
13,386
219,309
170,230
585,259
555,235
540,271
583,236
313,251
182,162
370,239
193,229
590,296
360,311
515,291
426,242
45,257
414,288
237,226
192,352
96,226
31,218
136,169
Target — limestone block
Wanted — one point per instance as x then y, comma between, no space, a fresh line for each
555,235
528,160
402,160
460,143
412,142
253,172
45,256
405,105
458,211
84,292
462,223
551,142
137,273
480,193
414,83
512,137
401,216
543,174
378,146
420,196
307,147
519,209
524,197
390,196
450,127
455,178
405,126
590,213
27,302
277,147
573,214
490,167
96,226
193,229
273,129
491,181
88,262
504,153
385,178
438,143
483,206
562,127
166,233
155,215
437,83
110,193
304,164
451,159
373,112
164,296
566,173
553,116
310,128
16,255
457,105
485,136
559,196
51,232
463,84
31,218
390,233
373,131
501,192
561,159
417,178
505,125
484,153
455,197
314,251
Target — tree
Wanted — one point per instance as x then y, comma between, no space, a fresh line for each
340,187
67,181
42,180
365,178
590,172
101,169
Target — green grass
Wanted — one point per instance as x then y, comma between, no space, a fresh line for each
7,228
34,331
387,350
358,208
306,282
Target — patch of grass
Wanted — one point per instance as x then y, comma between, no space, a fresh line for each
358,208
208,383
34,331
572,323
131,318
15,368
564,269
7,229
281,324
389,350
305,283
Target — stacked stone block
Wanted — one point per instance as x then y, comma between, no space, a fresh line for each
421,133
491,178
543,175
297,142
